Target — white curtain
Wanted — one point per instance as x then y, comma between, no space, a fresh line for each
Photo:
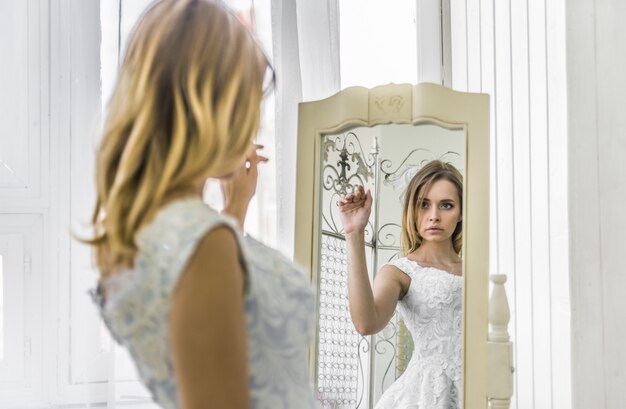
516,52
306,56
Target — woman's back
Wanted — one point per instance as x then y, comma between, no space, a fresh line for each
279,306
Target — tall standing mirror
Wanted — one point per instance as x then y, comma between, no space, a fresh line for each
380,138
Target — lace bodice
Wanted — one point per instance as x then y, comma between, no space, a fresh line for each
432,311
279,306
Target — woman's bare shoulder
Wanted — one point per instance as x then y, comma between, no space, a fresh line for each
392,274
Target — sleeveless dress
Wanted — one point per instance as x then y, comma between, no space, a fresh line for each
432,312
279,305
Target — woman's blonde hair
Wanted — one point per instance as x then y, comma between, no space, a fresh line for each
415,192
186,107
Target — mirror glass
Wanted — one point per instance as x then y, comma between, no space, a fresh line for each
353,371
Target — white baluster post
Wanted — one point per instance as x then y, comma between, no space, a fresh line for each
499,348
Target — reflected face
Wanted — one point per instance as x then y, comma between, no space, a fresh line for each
439,212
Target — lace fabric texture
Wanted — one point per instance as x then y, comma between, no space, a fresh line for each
432,311
279,306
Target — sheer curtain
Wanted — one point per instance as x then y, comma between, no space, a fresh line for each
306,55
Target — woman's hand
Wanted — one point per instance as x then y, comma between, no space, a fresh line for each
239,188
355,209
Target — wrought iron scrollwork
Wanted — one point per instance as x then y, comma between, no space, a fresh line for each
389,235
386,339
352,167
399,177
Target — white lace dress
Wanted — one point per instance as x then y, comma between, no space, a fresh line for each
279,306
432,312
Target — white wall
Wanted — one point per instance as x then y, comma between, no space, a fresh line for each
515,51
596,88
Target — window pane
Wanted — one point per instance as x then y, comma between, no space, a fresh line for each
378,42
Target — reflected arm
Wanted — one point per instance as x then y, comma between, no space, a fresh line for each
370,309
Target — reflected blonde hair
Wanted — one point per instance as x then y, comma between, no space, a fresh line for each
186,107
415,192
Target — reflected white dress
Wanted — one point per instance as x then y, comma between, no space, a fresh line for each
432,312
279,304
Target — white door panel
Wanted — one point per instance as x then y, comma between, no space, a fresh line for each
23,80
21,307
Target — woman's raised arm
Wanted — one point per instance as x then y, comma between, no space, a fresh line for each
370,309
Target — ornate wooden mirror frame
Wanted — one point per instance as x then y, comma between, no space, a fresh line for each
409,104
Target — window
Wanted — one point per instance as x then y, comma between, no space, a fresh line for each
378,42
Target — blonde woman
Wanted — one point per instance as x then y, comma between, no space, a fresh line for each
211,318
425,283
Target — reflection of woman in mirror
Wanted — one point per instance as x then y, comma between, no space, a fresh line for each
426,285
210,317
